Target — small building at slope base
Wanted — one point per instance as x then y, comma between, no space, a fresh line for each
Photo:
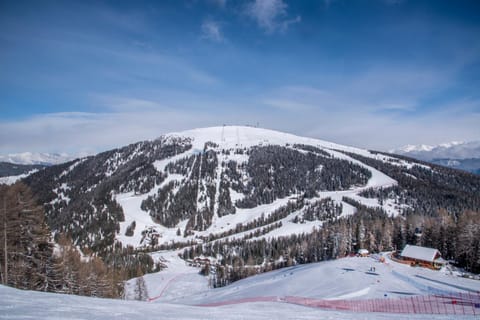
363,253
422,256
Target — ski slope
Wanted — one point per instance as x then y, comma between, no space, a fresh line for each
346,278
180,292
18,304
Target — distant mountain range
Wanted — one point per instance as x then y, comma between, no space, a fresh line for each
19,165
458,155
36,158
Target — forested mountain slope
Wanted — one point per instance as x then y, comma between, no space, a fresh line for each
264,197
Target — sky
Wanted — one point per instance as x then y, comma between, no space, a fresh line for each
87,76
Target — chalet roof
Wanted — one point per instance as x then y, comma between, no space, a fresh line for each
419,253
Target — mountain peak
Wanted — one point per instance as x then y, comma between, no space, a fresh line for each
248,136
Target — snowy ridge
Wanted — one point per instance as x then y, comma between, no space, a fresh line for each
240,136
12,179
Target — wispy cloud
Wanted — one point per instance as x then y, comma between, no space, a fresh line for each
271,15
126,104
75,132
287,105
295,98
211,30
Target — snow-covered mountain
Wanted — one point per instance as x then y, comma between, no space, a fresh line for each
35,158
235,188
452,150
187,185
458,155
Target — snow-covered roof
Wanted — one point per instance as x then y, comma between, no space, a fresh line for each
419,253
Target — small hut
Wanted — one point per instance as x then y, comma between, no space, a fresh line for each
363,252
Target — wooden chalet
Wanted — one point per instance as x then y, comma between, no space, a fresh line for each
422,256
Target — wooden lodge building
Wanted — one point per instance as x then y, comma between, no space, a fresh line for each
422,256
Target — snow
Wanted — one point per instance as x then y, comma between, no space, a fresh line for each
178,292
18,304
177,281
36,158
132,212
420,253
346,278
71,167
240,136
411,147
13,179
450,150
244,216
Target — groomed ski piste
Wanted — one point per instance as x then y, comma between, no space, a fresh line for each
336,289
353,284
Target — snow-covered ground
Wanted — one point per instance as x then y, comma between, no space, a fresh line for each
346,278
178,292
18,304
12,179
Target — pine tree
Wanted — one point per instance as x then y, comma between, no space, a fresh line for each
27,249
141,292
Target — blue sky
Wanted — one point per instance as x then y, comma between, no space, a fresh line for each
86,76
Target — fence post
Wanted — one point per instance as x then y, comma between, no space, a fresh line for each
472,301
424,304
477,301
454,306
444,302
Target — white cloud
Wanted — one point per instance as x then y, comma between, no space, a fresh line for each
125,104
375,110
271,15
211,30
318,114
380,109
287,105
75,132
